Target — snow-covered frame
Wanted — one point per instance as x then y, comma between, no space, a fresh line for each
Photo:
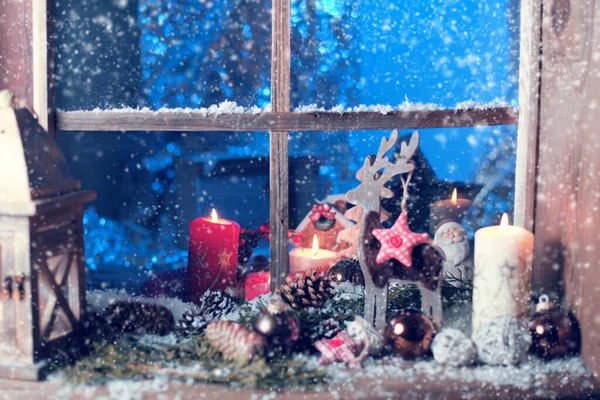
279,122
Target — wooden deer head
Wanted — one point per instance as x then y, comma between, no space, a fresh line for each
378,170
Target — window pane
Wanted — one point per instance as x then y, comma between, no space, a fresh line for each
150,186
386,52
479,162
155,53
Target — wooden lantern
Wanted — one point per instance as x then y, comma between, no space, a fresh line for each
42,283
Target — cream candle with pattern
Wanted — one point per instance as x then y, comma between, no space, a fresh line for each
502,281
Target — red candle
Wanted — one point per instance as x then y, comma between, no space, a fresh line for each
257,284
213,255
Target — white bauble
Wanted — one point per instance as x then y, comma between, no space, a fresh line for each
453,347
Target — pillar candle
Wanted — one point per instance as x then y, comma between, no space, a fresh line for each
257,283
502,281
213,255
303,260
453,209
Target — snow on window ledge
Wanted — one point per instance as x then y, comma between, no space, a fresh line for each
231,107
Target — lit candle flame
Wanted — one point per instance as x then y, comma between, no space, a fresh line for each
504,222
454,196
213,216
315,246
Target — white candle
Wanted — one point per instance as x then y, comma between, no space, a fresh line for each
306,260
502,281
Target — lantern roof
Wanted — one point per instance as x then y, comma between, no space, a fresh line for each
32,166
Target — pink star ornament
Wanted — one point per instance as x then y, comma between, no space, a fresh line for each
398,242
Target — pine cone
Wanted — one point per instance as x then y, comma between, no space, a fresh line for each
140,318
214,304
192,323
235,341
309,291
326,329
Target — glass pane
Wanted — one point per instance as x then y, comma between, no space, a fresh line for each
387,52
150,187
479,162
154,53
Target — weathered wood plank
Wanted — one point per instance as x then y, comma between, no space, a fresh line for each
16,72
279,192
317,121
421,385
279,175
527,135
567,251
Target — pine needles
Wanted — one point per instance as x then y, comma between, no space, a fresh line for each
114,355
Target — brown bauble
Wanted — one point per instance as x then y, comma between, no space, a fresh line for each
410,334
346,271
554,333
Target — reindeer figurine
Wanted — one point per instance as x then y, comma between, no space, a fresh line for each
397,253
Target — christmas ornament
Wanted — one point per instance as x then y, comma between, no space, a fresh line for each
235,341
452,238
398,241
364,333
346,271
503,340
140,318
453,347
250,239
375,244
306,291
322,216
410,333
279,326
554,333
325,220
342,347
214,304
192,323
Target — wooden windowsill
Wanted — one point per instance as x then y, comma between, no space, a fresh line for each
357,385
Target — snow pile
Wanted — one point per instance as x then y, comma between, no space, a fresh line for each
231,107
223,108
99,300
524,376
407,105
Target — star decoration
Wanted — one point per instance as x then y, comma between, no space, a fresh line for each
224,259
398,242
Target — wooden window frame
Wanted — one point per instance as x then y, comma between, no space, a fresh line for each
279,122
26,69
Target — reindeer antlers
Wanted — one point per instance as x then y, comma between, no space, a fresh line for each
376,171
